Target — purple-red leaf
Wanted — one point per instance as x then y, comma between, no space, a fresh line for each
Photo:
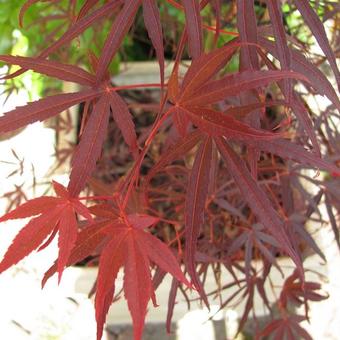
181,121
233,84
68,229
153,25
284,54
90,146
159,253
111,260
171,303
137,283
132,248
257,200
318,30
205,67
217,5
301,65
196,196
173,84
58,214
216,123
302,115
52,69
32,207
43,109
285,328
80,26
120,26
30,237
194,27
289,150
123,119
299,110
141,221
88,240
247,28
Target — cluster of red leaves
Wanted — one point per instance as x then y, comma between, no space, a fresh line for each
228,160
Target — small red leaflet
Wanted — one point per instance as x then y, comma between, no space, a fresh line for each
55,214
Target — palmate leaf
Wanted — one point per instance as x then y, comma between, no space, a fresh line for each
257,200
121,240
247,290
133,248
285,328
251,239
197,92
43,109
59,212
296,292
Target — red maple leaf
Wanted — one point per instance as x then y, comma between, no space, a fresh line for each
55,214
286,327
122,242
132,248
